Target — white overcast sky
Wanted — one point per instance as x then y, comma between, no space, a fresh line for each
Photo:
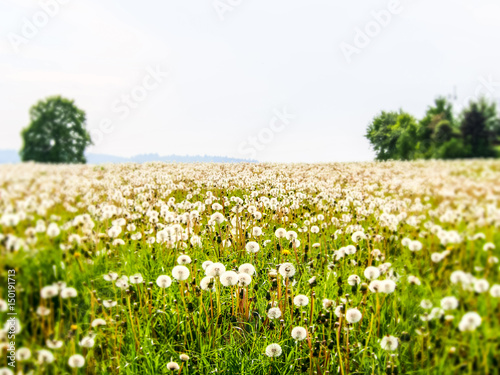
228,77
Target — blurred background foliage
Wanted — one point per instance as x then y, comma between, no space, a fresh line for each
440,134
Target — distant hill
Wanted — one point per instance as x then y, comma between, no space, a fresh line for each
12,156
9,156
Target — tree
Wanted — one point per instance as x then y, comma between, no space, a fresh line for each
442,110
381,136
56,133
477,129
393,135
489,110
439,135
407,144
452,149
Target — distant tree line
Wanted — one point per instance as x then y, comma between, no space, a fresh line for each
440,134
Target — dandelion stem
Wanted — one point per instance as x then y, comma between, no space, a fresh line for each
338,346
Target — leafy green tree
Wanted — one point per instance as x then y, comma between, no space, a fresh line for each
477,131
392,136
381,135
443,132
489,110
452,149
407,145
442,110
56,133
439,135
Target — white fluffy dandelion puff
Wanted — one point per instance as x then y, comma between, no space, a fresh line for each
163,281
252,247
244,279
299,333
287,270
470,321
215,269
247,268
98,322
389,343
353,315
371,273
184,259
49,291
69,293
207,283
274,313
229,278
273,350
180,273
301,300
76,361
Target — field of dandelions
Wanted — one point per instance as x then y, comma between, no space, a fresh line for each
373,268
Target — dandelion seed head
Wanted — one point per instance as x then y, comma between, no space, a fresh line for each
98,322
375,286
163,281
426,304
217,218
328,304
387,286
229,278
69,293
291,235
353,315
23,354
45,356
136,279
42,311
49,291
109,303
414,280
54,344
207,283
287,270
371,273
173,366
470,321
495,291
252,247
87,342
247,268
205,264
481,286
244,279
112,276
301,300
299,333
415,245
273,350
389,343
449,303
76,361
215,269
183,259
280,233
256,231
274,313
122,282
353,280
180,273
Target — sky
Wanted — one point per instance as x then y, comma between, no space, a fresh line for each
276,81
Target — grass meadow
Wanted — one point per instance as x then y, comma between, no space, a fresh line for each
362,268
